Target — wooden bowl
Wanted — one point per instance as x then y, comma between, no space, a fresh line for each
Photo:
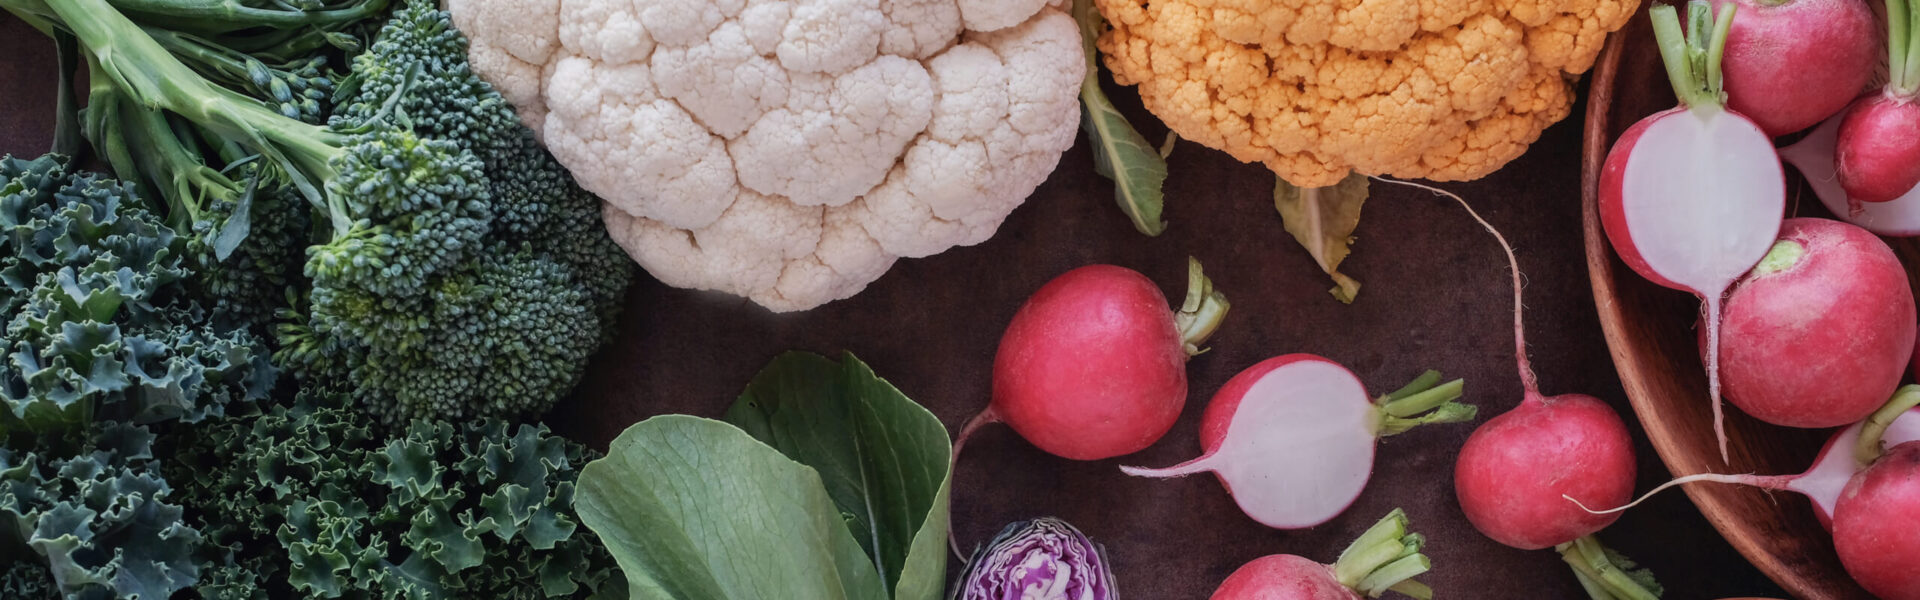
1650,332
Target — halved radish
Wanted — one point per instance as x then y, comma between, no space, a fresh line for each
1292,437
1813,157
1692,197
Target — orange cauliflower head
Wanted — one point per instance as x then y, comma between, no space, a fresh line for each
1437,89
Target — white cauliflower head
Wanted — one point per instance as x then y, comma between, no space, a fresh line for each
789,150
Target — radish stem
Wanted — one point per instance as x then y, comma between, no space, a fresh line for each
1427,403
1692,56
1600,574
1898,42
1385,558
1910,71
1202,310
1868,450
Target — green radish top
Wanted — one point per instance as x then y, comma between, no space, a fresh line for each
1868,450
1693,57
1423,401
1608,575
1903,48
1201,311
1385,558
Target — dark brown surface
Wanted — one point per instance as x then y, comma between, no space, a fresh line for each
1434,297
1651,333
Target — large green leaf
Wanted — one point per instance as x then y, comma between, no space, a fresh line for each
884,460
828,484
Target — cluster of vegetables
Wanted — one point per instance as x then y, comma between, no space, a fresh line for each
1809,322
298,347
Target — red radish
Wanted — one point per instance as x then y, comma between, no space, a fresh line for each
1792,63
1385,558
1292,437
1813,157
1692,197
1512,475
1820,332
1821,484
1094,365
1878,158
1876,527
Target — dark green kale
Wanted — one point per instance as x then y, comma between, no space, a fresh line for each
97,519
97,327
310,500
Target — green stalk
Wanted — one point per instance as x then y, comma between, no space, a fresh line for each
1692,56
1385,558
1874,429
152,77
1605,574
1910,71
1421,402
1202,310
67,139
222,16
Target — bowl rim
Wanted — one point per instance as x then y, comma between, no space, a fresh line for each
1715,504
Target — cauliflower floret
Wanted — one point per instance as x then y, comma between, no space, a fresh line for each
789,151
1315,89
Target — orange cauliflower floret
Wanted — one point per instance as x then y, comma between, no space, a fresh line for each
1436,89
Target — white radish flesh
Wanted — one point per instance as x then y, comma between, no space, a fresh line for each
1296,435
1813,157
1693,197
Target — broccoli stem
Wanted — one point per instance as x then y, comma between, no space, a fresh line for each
224,16
150,76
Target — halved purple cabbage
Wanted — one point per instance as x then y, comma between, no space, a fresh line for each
1041,559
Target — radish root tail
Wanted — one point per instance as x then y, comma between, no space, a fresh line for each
960,441
1713,376
1770,482
1528,380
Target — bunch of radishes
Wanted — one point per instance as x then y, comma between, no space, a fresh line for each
1819,326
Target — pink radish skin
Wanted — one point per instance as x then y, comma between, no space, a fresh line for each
1790,64
1292,437
1820,332
1094,364
1876,526
1813,157
1692,197
1878,158
1283,577
1514,473
1385,558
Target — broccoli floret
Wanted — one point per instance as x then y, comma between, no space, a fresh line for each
459,271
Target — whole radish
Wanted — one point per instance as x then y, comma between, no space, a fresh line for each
1876,524
1813,157
1876,527
1791,63
1692,197
1292,437
1821,331
1514,473
1878,158
1094,364
1385,558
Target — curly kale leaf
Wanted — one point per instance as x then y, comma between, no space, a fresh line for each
479,510
98,519
97,326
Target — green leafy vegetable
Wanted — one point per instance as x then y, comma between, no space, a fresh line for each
97,518
1120,153
1323,220
310,500
824,478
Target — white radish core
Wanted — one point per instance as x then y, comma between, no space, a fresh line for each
1298,448
1836,465
1703,200
1813,156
